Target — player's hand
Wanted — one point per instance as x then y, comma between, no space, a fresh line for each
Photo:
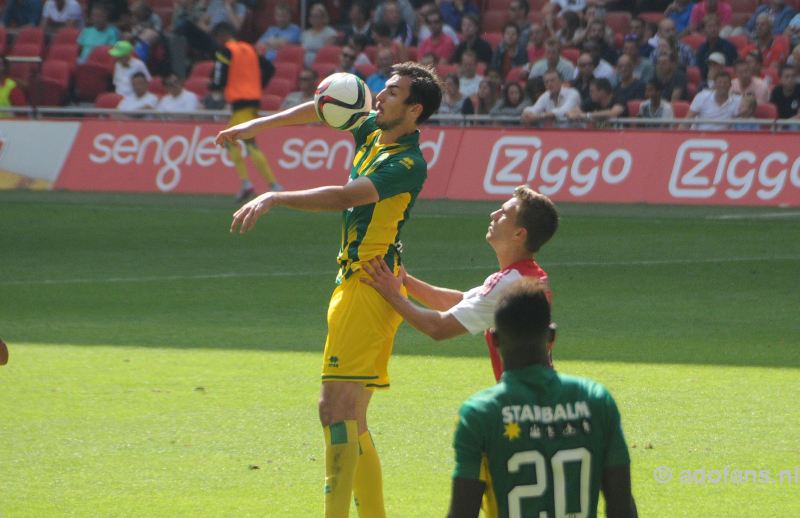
241,131
381,278
245,218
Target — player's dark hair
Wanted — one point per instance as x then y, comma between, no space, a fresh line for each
537,215
522,319
426,87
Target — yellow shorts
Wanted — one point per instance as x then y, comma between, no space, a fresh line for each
361,329
241,115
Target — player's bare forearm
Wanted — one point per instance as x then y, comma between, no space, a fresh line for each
295,116
434,297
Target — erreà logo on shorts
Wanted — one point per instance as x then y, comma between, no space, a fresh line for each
704,165
333,361
517,160
169,152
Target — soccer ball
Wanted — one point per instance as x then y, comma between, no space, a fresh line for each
342,100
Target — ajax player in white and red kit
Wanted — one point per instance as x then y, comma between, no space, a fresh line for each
518,229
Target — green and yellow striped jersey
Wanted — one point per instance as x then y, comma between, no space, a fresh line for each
398,172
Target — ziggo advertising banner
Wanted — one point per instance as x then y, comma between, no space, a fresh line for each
472,164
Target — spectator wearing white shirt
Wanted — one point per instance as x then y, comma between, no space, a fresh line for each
61,13
715,104
177,98
555,103
469,79
654,107
602,68
745,82
140,99
552,60
308,85
126,67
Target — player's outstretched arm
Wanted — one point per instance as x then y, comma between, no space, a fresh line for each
617,492
436,324
434,297
330,198
465,501
295,116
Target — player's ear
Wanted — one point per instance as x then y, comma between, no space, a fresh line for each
416,110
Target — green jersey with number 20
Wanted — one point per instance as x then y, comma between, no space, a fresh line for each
540,440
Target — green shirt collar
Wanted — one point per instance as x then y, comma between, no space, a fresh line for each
536,374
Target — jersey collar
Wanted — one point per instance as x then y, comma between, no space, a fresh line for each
533,375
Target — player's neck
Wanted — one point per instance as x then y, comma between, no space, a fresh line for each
391,136
513,363
506,258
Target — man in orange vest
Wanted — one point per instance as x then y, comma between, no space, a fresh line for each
241,74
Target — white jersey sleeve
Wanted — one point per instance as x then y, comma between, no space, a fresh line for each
476,310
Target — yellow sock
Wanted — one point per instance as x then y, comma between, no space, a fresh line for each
235,154
341,459
368,484
260,160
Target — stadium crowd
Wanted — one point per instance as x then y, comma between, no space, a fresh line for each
557,62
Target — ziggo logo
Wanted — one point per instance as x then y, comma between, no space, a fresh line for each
517,160
172,152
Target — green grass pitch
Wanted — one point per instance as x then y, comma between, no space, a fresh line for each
163,367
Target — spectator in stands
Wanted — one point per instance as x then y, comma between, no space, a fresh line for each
537,36
139,98
786,95
714,64
671,78
453,11
638,27
471,40
215,99
602,68
595,34
146,35
642,67
628,87
453,101
713,44
778,13
197,31
564,6
61,13
177,98
794,60
518,14
438,43
747,110
277,36
745,83
555,103
602,104
10,93
793,30
383,40
100,32
384,60
319,34
400,27
127,65
22,12
469,79
358,42
534,88
553,60
719,8
773,50
487,97
513,101
570,23
680,12
359,16
666,32
715,104
118,11
596,12
307,79
584,75
511,52
347,61
186,14
655,107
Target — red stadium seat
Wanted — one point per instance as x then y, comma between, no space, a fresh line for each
571,53
513,75
328,54
633,108
3,40
413,55
493,38
271,102
279,87
693,75
91,79
366,69
651,16
494,21
372,52
29,35
619,21
65,35
107,100
25,50
66,52
291,53
198,85
680,109
766,111
55,70
100,56
202,69
156,86
772,75
743,6
740,41
288,71
442,70
694,40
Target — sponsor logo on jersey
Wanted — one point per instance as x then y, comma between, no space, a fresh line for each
546,414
